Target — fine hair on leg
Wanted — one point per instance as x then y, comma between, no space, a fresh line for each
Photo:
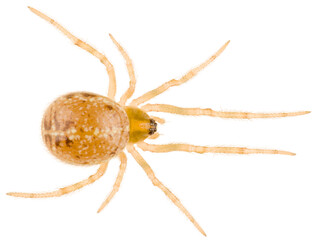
153,93
149,172
65,190
209,112
118,181
162,148
129,92
88,48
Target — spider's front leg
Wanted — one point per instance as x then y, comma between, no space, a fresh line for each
162,148
211,113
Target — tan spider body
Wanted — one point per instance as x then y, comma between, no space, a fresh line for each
85,128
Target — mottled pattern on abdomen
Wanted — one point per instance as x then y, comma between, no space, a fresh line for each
85,128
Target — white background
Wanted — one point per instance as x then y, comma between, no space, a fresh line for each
271,65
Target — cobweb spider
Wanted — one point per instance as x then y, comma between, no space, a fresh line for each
85,128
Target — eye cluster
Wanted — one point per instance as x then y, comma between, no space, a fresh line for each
153,127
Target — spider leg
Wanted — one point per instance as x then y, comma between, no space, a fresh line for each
62,191
157,183
118,181
129,92
209,112
88,48
153,93
201,149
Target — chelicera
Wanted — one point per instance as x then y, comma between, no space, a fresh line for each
85,128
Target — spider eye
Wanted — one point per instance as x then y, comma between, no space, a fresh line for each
153,127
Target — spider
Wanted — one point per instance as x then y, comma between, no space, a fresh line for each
85,128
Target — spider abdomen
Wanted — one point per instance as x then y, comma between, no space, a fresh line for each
85,128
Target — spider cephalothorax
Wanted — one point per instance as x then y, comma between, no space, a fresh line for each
141,125
86,128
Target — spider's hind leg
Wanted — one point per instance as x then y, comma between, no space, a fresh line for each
62,191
